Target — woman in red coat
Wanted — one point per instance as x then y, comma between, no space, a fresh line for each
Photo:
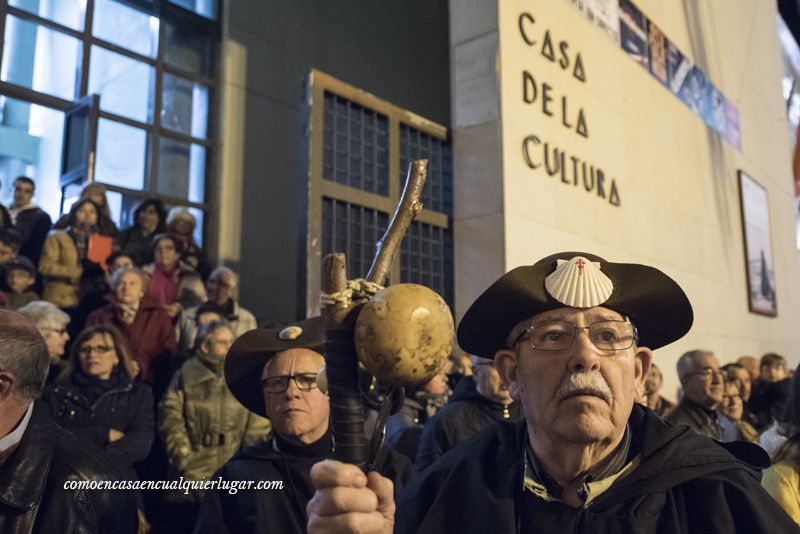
143,322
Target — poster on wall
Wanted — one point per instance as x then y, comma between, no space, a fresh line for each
633,32
678,67
758,250
716,109
694,93
658,53
732,131
602,13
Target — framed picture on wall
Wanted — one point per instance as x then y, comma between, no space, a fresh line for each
757,245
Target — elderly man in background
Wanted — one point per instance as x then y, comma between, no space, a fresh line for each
478,402
51,323
37,457
273,373
703,387
572,336
223,294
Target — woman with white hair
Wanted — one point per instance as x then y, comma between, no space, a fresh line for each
181,225
51,323
222,289
143,323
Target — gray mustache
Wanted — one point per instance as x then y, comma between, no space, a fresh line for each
584,382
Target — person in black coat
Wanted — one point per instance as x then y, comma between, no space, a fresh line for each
96,398
31,221
478,402
273,373
44,469
136,241
572,337
404,429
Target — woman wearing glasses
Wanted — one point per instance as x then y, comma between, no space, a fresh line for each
200,421
96,398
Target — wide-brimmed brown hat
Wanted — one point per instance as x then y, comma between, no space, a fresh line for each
248,355
653,301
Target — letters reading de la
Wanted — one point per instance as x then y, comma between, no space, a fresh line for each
544,96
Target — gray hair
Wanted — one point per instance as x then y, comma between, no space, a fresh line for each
24,353
228,275
119,273
44,315
689,361
205,330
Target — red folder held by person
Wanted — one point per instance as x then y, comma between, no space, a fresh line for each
99,249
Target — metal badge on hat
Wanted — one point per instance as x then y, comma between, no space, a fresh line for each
290,333
579,283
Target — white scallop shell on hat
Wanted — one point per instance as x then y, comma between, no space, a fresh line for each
579,283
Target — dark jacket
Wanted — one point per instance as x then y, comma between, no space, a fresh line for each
151,336
134,243
5,218
685,483
33,225
467,414
124,406
275,510
32,494
404,429
691,414
768,402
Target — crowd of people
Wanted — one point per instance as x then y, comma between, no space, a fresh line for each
136,329
154,371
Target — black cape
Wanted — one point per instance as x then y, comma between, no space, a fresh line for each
466,414
685,483
276,510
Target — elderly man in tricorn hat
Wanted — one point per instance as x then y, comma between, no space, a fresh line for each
572,336
273,373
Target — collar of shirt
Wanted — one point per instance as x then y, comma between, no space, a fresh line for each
597,480
14,437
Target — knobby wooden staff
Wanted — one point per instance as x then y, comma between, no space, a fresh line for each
343,301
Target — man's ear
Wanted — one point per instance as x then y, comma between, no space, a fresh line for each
643,362
505,361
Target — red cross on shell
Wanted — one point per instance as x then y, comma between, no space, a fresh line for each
579,283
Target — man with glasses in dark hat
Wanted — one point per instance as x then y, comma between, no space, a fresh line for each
273,373
572,337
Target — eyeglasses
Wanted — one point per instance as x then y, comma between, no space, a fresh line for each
608,336
279,384
87,350
707,373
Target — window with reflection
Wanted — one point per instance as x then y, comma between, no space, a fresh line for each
39,58
152,64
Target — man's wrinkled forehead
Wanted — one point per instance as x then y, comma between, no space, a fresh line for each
293,361
566,313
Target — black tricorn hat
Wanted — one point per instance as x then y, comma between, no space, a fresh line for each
248,355
652,300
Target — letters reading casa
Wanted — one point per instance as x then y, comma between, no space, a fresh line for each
543,96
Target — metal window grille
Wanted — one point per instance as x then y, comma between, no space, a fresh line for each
356,146
360,147
352,229
426,258
415,144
